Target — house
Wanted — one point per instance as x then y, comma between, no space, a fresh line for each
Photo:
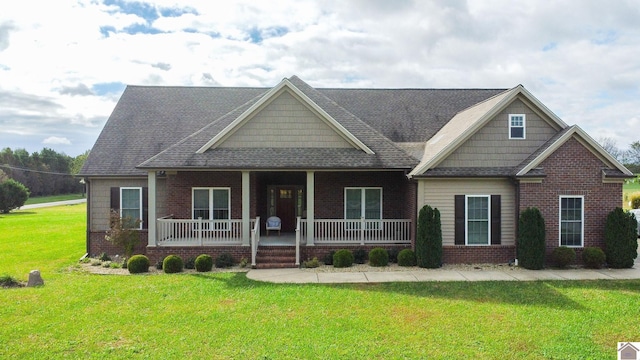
204,167
627,351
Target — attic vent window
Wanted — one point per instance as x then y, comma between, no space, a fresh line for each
516,126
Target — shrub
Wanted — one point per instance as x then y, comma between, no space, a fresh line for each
172,264
393,255
104,257
12,195
243,262
531,239
593,257
563,256
407,257
621,239
635,200
138,264
342,258
328,258
203,263
190,263
123,232
378,257
429,238
224,260
309,264
359,256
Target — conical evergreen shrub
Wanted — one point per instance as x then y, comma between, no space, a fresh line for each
620,236
429,238
531,239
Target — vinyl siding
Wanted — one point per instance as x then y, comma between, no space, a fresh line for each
440,193
285,123
491,146
101,199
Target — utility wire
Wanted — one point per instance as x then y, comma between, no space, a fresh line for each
35,171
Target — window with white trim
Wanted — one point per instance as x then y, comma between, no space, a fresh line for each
211,203
571,221
478,220
517,124
131,206
363,203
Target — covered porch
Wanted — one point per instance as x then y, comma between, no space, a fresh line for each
316,208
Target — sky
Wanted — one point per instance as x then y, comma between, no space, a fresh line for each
65,63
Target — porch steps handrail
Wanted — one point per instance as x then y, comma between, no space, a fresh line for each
255,241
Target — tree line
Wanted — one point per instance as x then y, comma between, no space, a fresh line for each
630,158
44,173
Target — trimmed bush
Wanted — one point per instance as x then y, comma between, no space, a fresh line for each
563,256
378,257
359,256
593,257
328,258
621,239
172,264
224,260
310,264
531,239
138,264
203,263
407,257
12,195
429,238
342,258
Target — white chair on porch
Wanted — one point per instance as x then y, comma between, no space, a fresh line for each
273,223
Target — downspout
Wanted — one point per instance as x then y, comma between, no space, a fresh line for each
88,191
517,212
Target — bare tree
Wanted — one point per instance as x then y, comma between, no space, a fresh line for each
611,147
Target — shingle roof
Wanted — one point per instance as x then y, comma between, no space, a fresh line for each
148,120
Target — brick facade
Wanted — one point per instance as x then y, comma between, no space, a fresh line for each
494,254
572,170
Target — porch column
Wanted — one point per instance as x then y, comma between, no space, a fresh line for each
246,210
310,208
151,208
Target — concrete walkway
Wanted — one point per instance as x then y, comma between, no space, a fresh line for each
56,203
508,274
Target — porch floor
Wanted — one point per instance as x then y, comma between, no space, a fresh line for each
284,239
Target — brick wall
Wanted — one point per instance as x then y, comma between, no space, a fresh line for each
572,170
98,244
320,251
179,190
494,254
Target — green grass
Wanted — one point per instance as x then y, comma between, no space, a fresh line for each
628,189
227,316
52,198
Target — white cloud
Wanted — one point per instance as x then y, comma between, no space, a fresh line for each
578,57
55,140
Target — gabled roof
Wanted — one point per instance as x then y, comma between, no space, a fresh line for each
617,169
467,122
372,150
284,85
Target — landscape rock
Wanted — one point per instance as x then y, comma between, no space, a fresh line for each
35,279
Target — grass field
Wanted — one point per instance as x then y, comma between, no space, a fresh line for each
52,198
629,189
227,316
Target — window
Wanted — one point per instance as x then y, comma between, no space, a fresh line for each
571,220
363,203
478,225
517,126
131,206
212,204
478,220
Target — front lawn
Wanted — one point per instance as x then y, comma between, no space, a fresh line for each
227,316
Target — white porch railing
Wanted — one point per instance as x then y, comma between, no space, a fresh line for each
255,240
187,232
332,231
298,233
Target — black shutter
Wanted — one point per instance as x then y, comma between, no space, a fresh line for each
145,208
496,221
459,219
115,198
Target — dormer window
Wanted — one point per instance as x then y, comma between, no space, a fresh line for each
516,126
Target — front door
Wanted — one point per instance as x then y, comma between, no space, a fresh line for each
286,208
286,202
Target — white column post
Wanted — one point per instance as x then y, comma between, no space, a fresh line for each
151,206
246,210
310,208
